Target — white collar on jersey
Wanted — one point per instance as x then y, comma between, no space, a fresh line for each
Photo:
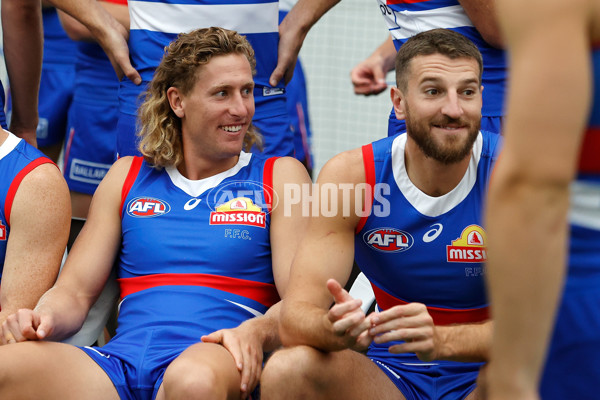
196,188
9,144
423,203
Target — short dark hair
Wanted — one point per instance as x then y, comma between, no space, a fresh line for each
436,41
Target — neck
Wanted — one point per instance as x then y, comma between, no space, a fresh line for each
431,176
3,136
196,168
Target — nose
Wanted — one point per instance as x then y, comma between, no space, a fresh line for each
238,106
452,107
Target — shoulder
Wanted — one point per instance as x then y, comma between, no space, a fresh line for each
346,167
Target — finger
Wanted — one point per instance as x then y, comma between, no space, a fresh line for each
215,337
43,326
406,335
418,321
277,74
419,347
339,310
354,322
339,294
404,310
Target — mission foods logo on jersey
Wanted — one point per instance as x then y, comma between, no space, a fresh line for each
388,240
239,211
145,207
469,247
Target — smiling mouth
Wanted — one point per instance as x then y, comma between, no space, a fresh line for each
232,128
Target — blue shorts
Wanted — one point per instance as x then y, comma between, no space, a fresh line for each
90,145
417,380
136,361
55,97
490,124
572,370
276,132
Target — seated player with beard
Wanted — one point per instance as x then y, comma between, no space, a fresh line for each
419,240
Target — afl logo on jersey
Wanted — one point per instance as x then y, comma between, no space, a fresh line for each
388,240
145,207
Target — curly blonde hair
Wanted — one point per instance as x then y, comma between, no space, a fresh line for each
159,127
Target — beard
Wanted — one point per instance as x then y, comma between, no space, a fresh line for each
449,151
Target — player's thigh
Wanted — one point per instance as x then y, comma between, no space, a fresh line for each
346,374
49,370
203,366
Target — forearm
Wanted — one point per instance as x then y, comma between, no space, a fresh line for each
22,29
385,54
465,343
266,327
525,271
305,14
67,310
303,323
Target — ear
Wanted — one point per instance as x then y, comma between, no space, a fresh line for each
398,102
176,101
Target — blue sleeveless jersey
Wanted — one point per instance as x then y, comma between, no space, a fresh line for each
155,23
195,255
406,18
417,248
17,159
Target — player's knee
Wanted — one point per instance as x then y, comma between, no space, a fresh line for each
300,364
185,379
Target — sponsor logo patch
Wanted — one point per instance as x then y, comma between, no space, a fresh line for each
146,207
88,172
239,211
388,240
2,232
469,247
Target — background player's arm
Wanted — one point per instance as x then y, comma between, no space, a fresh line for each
549,97
327,251
61,311
483,15
109,33
22,29
39,219
77,31
292,31
368,76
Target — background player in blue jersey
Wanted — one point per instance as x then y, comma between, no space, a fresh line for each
543,210
200,244
154,24
420,243
34,225
475,19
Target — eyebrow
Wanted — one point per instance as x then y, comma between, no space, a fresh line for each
468,81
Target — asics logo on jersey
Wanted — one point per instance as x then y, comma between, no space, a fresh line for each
191,204
469,247
388,240
433,233
145,207
2,232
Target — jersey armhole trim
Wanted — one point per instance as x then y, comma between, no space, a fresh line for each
369,164
14,186
134,169
268,182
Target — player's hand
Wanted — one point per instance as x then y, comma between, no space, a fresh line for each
25,325
410,323
289,47
368,77
113,39
246,348
347,318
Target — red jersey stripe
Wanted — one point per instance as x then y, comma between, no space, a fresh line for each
589,157
268,182
134,169
441,316
369,163
264,293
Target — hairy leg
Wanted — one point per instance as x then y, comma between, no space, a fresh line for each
49,370
303,372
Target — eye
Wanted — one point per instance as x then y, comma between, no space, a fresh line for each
432,92
221,93
246,91
469,92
